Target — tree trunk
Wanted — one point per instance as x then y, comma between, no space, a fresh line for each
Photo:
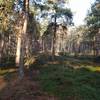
1,49
94,46
21,41
18,51
54,39
43,45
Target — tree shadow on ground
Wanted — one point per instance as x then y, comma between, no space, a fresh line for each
60,79
71,61
68,77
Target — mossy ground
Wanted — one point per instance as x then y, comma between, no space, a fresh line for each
66,78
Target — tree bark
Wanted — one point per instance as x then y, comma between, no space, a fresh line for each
54,39
20,52
1,49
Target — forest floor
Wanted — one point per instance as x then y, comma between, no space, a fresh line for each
67,78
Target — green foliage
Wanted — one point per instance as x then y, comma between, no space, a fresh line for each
1,1
67,83
6,9
33,26
66,12
93,18
56,10
58,79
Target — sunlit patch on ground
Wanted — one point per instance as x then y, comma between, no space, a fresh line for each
94,69
4,71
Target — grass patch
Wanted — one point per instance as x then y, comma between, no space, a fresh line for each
70,84
67,78
94,69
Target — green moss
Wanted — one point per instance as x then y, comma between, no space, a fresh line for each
71,84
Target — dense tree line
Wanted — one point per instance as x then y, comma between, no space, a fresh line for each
20,28
29,27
